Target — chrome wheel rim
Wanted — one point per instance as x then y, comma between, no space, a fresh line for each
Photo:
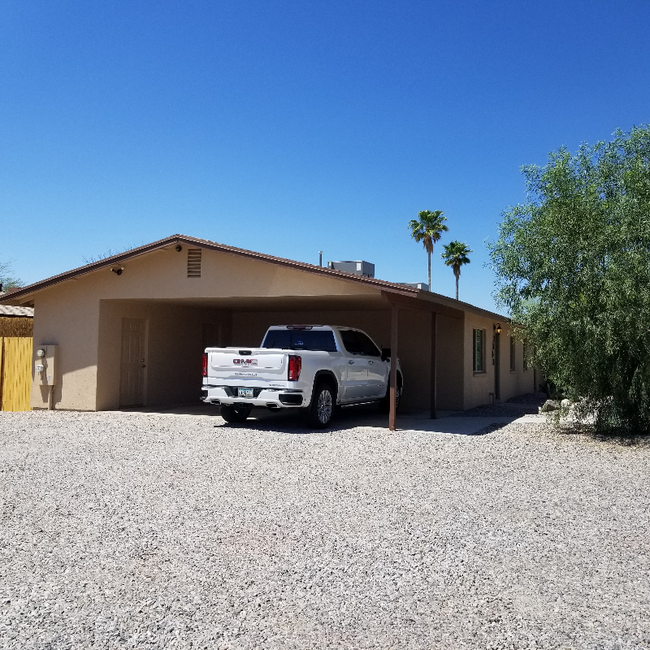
324,407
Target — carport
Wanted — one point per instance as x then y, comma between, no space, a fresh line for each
176,331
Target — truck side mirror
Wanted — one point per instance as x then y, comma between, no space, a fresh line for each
385,354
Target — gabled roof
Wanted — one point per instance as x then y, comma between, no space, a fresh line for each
210,245
24,295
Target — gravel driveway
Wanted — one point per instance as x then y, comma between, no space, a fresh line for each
132,530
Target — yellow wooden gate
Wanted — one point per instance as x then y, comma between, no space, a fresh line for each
15,373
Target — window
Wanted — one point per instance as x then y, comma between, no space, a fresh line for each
526,352
358,343
513,348
479,350
300,340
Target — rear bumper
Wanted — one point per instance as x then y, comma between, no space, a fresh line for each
272,398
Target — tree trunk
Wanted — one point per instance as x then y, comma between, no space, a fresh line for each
456,288
429,270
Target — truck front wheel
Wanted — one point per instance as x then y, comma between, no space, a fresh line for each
321,408
234,413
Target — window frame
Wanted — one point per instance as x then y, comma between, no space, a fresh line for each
525,355
478,346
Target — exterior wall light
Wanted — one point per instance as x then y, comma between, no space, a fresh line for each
118,270
497,328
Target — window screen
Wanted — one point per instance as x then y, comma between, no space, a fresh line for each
479,351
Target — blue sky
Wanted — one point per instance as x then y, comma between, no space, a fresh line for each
289,127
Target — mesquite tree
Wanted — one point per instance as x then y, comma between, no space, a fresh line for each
573,267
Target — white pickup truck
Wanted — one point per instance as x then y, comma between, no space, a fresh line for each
313,367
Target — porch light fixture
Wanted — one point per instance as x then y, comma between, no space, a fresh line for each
179,248
497,328
118,270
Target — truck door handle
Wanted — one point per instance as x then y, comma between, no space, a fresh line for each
351,361
370,362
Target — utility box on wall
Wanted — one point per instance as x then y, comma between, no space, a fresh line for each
45,364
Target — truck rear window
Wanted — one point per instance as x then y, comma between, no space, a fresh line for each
299,340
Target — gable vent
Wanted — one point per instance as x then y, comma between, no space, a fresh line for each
193,262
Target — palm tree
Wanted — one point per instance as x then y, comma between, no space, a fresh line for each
455,255
428,230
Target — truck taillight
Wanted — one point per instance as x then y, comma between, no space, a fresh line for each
295,366
205,365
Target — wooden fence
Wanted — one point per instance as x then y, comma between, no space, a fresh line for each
15,373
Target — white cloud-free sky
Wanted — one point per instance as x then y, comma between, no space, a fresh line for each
289,127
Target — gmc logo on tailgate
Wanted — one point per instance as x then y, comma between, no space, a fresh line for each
245,362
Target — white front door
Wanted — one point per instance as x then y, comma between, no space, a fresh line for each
133,362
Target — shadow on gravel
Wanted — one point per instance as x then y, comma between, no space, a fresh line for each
617,439
476,423
293,422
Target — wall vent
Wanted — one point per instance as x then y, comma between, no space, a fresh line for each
194,262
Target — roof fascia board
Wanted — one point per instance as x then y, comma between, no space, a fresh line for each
423,304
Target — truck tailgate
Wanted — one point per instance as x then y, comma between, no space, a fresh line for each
259,364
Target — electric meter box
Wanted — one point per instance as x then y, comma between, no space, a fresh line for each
45,364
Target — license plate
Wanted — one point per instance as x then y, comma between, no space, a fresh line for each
244,392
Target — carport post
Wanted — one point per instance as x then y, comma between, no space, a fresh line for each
393,367
434,371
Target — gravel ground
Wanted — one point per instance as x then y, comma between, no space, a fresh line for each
141,531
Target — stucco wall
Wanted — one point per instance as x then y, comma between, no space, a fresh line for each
480,387
71,324
518,381
451,351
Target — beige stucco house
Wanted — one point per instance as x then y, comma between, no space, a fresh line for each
130,329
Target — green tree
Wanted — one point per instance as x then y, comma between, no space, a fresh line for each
455,255
428,230
6,279
573,267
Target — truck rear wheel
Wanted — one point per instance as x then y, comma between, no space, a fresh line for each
234,413
321,408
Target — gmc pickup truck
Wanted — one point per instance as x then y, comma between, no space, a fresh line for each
310,367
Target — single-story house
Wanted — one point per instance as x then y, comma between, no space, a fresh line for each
130,329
